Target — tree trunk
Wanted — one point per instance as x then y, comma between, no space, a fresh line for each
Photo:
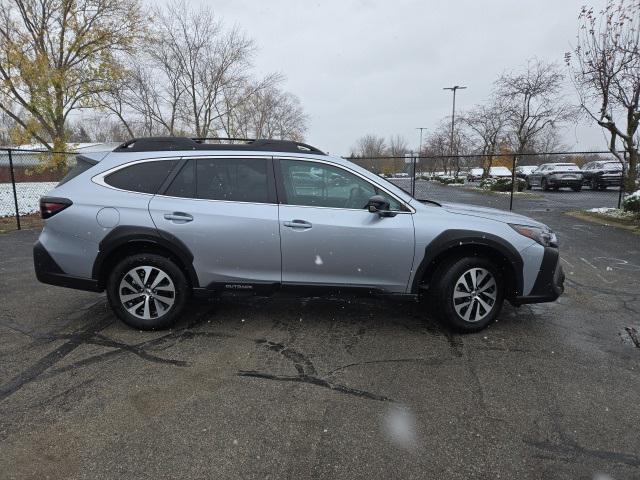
631,171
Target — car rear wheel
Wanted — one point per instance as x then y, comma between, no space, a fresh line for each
577,188
469,294
147,291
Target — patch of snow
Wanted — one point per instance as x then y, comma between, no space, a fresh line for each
613,213
28,193
601,210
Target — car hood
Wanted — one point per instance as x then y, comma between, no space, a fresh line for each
491,214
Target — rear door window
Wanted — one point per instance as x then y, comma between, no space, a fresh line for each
233,179
143,177
184,185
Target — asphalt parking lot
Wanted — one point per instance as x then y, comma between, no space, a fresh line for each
327,387
525,202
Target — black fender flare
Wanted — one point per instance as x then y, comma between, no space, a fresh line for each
130,235
452,239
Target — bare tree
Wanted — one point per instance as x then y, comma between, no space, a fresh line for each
606,72
533,102
371,150
438,144
266,113
192,76
398,148
57,55
371,146
487,124
213,65
102,128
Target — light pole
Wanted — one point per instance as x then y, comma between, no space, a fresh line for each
453,120
420,147
453,111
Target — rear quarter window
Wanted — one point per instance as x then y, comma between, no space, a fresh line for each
144,177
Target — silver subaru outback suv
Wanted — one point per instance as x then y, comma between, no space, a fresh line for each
158,220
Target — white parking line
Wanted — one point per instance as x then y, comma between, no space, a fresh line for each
567,262
587,262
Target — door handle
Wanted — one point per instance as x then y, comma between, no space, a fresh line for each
178,217
298,224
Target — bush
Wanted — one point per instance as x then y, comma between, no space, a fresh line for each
632,203
501,184
487,183
448,180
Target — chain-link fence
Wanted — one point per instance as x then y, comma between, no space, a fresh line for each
525,183
26,175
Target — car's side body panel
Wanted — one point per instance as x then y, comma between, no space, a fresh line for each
439,229
232,242
346,247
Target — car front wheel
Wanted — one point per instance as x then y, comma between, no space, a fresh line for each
469,294
147,291
544,185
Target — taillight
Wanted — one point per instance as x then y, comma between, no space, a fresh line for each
49,206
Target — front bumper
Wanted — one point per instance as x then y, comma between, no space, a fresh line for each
564,182
48,271
549,284
608,181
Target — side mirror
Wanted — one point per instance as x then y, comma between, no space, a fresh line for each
378,204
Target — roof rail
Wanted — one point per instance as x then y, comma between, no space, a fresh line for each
153,144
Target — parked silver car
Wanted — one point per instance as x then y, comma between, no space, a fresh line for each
159,219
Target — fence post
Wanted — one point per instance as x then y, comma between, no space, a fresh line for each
513,182
13,185
413,178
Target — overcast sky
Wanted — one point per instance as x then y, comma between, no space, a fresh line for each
371,66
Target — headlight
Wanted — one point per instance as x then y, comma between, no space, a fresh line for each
544,237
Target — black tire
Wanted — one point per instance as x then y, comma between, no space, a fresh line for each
528,185
442,293
177,282
577,189
544,185
594,184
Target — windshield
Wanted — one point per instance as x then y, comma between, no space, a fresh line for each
610,166
565,167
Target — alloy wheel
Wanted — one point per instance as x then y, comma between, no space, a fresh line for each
475,294
147,292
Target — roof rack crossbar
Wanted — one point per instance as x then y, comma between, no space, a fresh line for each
150,144
228,139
